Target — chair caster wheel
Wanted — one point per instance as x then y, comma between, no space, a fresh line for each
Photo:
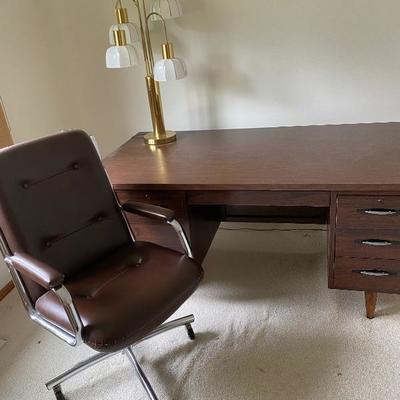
58,393
190,332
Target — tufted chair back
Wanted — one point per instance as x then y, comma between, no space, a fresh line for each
56,204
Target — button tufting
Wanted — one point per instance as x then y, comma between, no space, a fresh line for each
75,166
25,185
48,244
100,218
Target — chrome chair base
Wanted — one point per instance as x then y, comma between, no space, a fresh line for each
55,384
58,393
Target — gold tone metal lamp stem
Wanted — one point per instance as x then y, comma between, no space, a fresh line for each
159,135
168,50
119,38
122,15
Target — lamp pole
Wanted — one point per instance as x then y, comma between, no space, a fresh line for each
123,54
159,135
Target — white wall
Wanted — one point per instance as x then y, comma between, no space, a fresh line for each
27,81
279,62
285,62
253,63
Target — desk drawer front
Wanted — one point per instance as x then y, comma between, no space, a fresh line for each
378,212
171,199
375,244
174,200
367,275
259,198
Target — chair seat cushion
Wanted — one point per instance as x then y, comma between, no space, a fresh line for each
126,295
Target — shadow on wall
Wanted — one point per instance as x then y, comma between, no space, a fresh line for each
217,78
214,86
288,63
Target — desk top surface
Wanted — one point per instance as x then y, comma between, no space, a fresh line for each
359,157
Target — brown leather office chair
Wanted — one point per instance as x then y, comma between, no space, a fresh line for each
74,260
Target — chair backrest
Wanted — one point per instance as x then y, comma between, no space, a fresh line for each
56,204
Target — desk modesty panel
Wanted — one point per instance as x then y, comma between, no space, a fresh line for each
345,175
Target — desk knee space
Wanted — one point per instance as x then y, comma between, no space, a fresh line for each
363,246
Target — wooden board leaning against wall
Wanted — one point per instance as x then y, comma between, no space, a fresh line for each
5,140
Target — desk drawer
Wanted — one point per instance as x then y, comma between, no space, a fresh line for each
174,200
367,275
170,199
264,198
378,212
377,244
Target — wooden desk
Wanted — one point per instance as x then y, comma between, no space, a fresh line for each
347,176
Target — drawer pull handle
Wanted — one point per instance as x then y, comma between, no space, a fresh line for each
375,272
377,242
380,211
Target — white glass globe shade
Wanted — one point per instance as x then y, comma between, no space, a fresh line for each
131,32
167,9
121,57
171,69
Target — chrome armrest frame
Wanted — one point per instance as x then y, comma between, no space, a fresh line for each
178,229
182,237
73,316
65,298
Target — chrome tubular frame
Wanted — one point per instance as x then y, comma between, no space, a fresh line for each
143,378
73,317
90,362
66,300
176,323
182,237
78,368
61,292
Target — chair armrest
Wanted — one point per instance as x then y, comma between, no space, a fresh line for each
38,271
50,279
160,214
149,210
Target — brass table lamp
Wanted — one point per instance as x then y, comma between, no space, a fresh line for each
122,54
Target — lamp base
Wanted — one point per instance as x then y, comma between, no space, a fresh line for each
152,140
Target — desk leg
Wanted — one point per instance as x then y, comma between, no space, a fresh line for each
203,225
370,303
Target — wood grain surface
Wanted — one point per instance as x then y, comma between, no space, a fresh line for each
360,157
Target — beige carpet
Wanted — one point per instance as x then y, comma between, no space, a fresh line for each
267,326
